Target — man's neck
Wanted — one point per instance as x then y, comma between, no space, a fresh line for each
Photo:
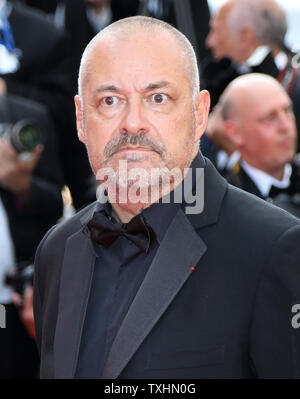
277,173
126,213
129,203
125,209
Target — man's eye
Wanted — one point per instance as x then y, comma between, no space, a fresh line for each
109,101
270,118
159,98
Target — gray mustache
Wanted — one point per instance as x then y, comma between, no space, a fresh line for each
140,139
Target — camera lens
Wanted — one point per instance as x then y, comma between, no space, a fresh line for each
25,135
29,136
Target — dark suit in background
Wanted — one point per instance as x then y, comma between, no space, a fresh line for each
215,303
216,75
289,77
78,26
44,65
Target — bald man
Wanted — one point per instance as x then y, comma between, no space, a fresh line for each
260,123
162,285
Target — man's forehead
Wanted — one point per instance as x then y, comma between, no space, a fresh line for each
115,54
263,101
138,38
149,53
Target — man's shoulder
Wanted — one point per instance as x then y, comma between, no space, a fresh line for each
33,15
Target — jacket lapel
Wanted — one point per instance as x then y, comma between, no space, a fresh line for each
79,260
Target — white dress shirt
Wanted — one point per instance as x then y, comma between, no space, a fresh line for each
7,256
256,58
264,181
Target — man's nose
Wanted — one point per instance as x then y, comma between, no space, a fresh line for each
135,119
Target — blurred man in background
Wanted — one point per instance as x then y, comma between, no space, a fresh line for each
259,121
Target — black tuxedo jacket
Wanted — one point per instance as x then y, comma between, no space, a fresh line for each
215,303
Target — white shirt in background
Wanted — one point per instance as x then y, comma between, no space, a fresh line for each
7,256
263,181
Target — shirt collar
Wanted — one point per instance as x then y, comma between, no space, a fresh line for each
281,60
255,59
258,56
225,161
264,181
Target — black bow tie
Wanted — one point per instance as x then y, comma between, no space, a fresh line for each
103,231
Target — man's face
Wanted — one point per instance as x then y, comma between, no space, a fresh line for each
268,129
137,105
219,39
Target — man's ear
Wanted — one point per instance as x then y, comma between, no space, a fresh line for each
247,37
202,110
233,132
79,120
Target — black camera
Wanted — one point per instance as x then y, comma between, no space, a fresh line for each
23,135
21,278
